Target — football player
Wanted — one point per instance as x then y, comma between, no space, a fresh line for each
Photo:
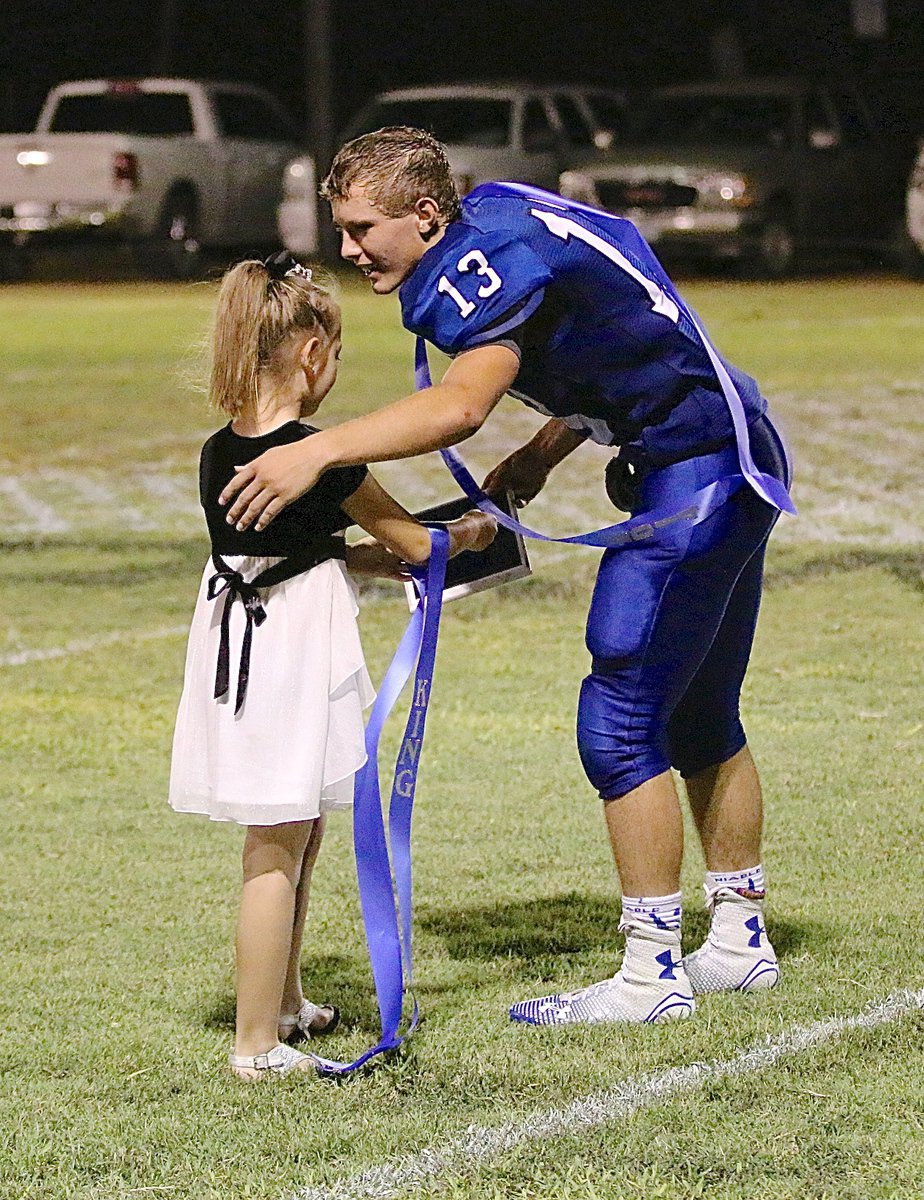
568,310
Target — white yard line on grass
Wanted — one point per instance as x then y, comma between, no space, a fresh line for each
40,516
87,645
481,1144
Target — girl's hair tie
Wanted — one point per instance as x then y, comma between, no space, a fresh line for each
282,264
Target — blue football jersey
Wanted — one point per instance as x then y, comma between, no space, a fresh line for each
602,344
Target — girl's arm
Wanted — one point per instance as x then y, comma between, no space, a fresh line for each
401,538
441,415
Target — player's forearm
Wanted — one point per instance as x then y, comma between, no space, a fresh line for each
554,442
429,420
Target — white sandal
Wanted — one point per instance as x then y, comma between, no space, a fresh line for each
305,1023
278,1061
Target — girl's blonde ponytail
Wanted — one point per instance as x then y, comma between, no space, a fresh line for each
236,338
254,314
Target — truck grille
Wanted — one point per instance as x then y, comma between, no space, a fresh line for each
617,195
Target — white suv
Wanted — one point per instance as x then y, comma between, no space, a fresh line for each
518,132
512,131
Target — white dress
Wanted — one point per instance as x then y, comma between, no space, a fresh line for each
293,749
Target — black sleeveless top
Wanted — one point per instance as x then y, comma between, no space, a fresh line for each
314,516
302,535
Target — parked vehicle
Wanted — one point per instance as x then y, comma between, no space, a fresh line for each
510,131
297,218
514,131
491,131
168,165
914,218
759,171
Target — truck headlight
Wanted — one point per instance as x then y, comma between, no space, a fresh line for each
298,179
721,188
576,185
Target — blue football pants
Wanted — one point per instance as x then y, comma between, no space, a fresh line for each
671,626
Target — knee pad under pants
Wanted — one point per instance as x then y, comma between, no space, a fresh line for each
670,631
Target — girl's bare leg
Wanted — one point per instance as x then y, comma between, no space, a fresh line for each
272,862
292,995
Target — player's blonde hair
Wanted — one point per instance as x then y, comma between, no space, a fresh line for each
398,166
255,313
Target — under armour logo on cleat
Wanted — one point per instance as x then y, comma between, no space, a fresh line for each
753,923
669,963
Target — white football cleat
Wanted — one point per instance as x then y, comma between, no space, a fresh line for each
650,986
737,955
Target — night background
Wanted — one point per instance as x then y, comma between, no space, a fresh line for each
117,981
636,45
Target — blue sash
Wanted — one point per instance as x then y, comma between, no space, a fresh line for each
644,525
640,528
390,941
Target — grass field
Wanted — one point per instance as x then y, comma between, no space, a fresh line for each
116,990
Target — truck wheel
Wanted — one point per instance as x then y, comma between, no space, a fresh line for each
175,251
913,261
907,254
14,262
775,250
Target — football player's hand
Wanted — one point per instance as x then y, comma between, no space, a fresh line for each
522,473
263,488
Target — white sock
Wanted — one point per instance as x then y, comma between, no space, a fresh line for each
660,912
751,879
652,928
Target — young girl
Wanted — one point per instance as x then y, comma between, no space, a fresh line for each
269,731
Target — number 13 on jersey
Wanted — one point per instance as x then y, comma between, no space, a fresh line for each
473,261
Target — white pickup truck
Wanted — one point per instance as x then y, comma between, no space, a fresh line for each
167,165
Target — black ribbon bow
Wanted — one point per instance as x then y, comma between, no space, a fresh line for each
235,587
